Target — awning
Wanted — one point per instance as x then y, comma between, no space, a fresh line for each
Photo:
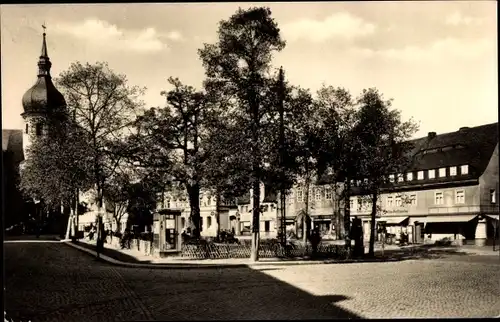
496,217
442,219
393,220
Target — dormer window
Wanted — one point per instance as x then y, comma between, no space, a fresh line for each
38,129
409,176
464,169
391,178
400,177
453,171
432,174
442,172
420,175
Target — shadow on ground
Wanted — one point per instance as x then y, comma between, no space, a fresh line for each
115,254
41,279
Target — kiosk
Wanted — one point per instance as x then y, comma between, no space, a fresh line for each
167,241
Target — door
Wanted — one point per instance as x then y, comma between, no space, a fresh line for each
419,233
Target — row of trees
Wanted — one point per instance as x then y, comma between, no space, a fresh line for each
224,139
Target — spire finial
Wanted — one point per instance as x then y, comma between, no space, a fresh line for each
44,44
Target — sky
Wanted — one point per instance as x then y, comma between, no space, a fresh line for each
436,60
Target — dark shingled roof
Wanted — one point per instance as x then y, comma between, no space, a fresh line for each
12,141
468,146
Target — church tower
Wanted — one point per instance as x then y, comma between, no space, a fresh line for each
43,104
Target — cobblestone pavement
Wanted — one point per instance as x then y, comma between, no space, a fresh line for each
54,282
453,287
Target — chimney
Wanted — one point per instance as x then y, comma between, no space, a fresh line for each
431,135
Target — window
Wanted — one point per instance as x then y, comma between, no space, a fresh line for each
432,174
360,203
300,195
209,200
400,177
459,196
328,194
398,201
464,169
38,129
183,222
351,204
442,172
26,128
365,181
264,208
413,200
267,225
317,195
438,198
493,196
391,178
420,175
389,202
246,208
209,221
409,176
453,171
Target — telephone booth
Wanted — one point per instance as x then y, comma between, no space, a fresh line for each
167,239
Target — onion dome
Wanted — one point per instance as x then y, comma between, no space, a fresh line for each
43,97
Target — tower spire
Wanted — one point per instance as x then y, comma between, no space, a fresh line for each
44,44
44,63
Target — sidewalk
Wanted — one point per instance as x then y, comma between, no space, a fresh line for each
132,258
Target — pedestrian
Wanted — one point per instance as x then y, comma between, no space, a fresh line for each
315,239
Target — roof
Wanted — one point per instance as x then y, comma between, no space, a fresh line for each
472,146
12,141
43,97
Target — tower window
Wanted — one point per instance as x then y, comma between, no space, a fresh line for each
38,129
26,128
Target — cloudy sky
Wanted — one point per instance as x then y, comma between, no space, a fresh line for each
437,60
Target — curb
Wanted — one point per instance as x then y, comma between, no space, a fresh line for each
208,265
152,266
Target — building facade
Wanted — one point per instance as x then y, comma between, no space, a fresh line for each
451,190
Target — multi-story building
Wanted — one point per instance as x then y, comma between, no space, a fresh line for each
451,190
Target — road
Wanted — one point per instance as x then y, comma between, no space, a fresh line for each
50,281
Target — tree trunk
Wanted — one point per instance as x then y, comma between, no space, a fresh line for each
347,214
194,203
371,249
217,214
304,220
254,256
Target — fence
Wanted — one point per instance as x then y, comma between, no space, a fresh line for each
220,251
223,251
